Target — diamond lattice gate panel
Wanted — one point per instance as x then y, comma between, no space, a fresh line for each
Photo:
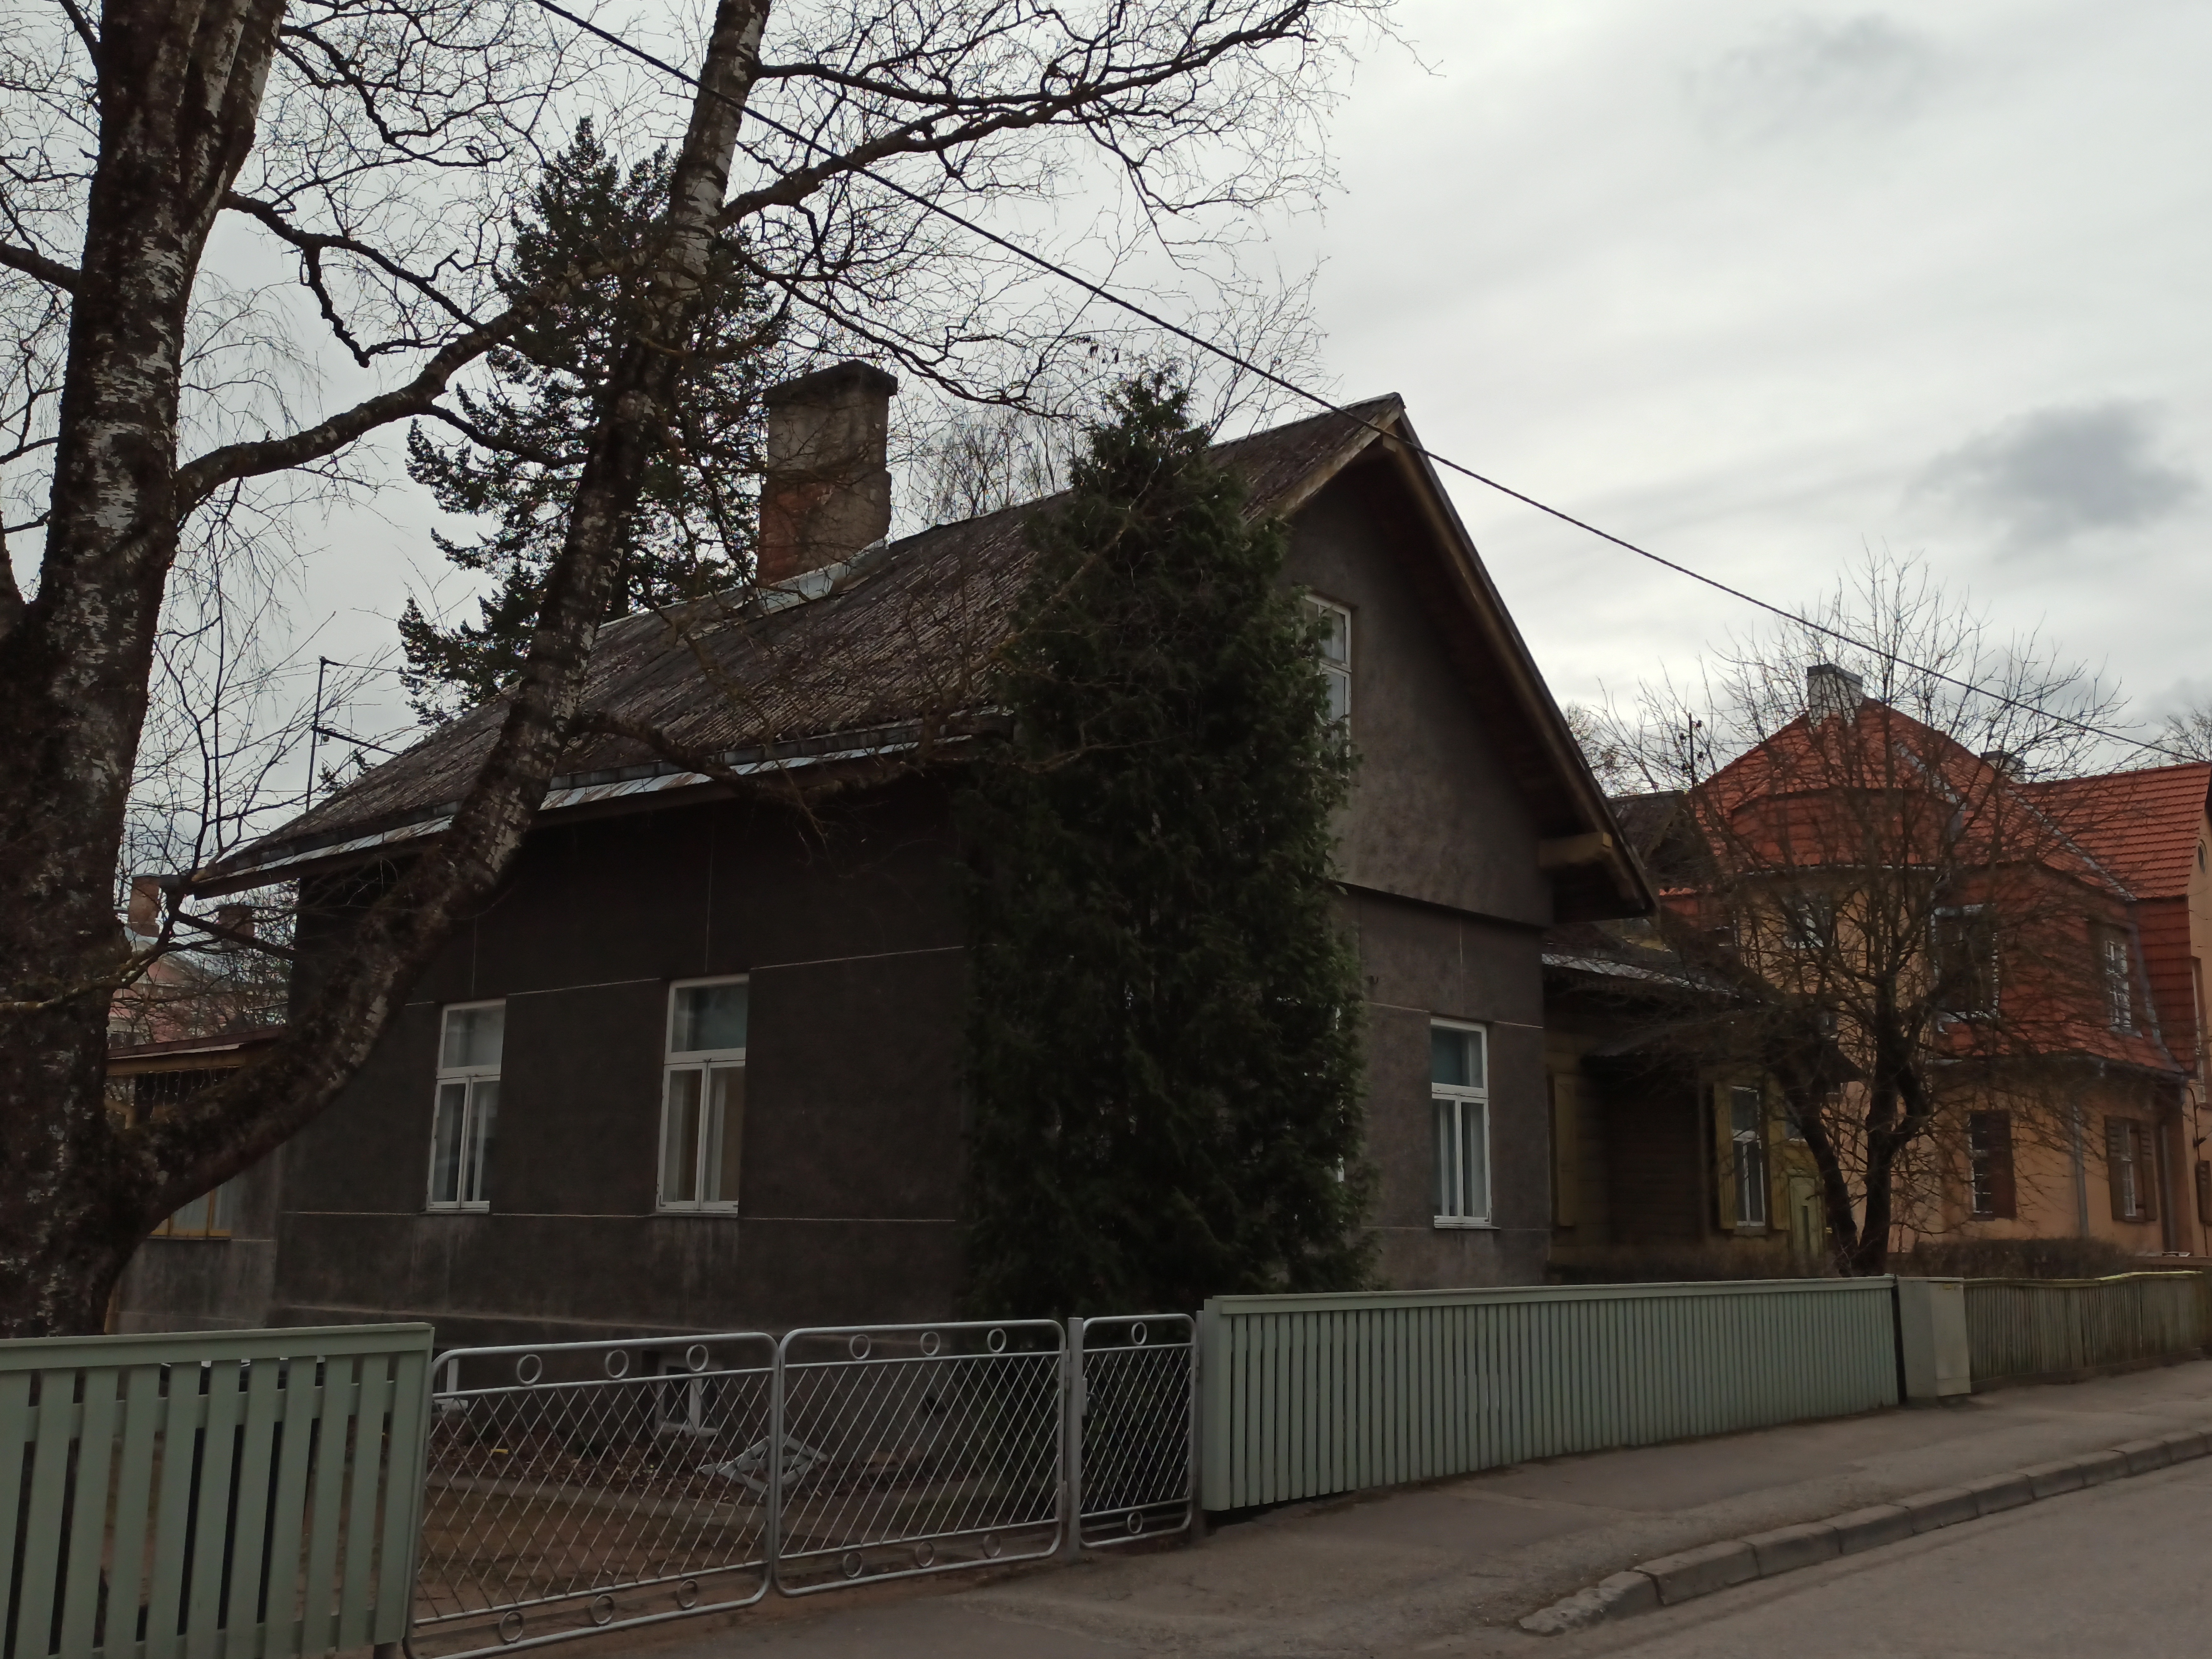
576,1487
912,1448
1134,1406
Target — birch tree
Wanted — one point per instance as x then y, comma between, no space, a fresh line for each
379,144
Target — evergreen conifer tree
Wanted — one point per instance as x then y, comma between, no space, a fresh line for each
1163,1045
522,446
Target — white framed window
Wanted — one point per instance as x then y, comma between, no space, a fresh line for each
1747,1142
703,1094
1335,656
468,1049
1459,1096
2119,982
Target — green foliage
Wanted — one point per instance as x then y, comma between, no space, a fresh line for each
1165,1046
528,432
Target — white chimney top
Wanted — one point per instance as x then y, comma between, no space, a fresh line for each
1832,691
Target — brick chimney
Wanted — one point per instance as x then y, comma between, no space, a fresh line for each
1832,691
826,492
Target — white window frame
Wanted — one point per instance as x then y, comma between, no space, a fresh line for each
1336,670
1748,1155
2119,979
1460,1106
702,1063
472,1189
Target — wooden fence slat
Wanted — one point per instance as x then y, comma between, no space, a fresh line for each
49,1497
143,1409
318,1622
368,1461
218,1462
249,1524
301,1400
88,1524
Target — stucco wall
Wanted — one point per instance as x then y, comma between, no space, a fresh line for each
1435,814
849,1181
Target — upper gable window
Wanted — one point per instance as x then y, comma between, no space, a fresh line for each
1335,655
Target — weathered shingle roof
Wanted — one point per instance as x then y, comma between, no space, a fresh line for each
841,662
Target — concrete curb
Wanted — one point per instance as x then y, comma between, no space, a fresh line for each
1671,1579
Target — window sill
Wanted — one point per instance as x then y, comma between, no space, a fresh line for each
457,1209
1463,1224
710,1210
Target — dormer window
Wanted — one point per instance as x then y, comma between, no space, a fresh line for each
1335,655
2119,982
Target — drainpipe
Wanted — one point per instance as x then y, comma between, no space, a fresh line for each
2081,1175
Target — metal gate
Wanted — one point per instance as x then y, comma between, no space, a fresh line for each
1134,1397
917,1448
575,1486
588,1486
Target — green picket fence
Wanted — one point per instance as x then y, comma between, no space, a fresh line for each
2020,1330
211,1495
1305,1395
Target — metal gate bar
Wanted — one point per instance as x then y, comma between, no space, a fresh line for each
577,1487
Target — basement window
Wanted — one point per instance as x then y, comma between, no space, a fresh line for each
702,1098
469,1051
1459,1096
1336,654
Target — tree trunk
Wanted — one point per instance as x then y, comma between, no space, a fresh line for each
179,89
76,1194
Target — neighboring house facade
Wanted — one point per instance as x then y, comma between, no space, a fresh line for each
697,1065
2076,1035
212,1265
2150,831
1667,1157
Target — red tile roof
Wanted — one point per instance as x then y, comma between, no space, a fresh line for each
2141,826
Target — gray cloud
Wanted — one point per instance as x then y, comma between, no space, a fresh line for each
2050,475
1805,74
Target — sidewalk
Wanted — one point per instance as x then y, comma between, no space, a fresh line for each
1394,1572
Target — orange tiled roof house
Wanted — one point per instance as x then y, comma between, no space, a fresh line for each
1919,937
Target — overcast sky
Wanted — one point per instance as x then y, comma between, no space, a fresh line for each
1758,286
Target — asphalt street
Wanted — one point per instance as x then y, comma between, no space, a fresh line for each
2119,1569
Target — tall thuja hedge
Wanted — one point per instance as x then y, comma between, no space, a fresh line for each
1163,1045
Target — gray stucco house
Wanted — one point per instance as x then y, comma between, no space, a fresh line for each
697,1065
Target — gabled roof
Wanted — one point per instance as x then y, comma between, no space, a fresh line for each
893,648
2144,827
1879,751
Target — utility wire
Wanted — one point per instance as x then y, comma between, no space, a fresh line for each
1100,291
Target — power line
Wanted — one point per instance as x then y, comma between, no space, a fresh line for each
1100,291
